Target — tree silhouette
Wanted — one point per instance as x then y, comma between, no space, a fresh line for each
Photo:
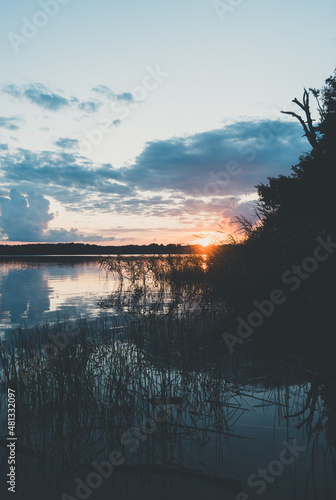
294,210
303,204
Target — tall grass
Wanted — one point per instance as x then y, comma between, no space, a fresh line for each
75,407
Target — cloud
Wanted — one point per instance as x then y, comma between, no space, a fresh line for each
72,236
66,170
37,94
110,94
45,97
203,164
65,143
190,179
26,219
10,123
89,106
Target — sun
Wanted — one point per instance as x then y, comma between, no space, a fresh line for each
205,242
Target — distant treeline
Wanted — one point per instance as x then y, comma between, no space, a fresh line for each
88,249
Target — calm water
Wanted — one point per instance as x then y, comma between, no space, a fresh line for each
232,416
44,290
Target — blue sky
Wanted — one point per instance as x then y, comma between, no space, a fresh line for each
150,121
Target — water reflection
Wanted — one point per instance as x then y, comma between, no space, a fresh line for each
24,295
183,413
34,290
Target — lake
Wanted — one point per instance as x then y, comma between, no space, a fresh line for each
143,384
47,289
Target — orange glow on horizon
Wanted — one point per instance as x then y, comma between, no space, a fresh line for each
205,242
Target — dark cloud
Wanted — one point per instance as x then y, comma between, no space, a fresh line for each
60,169
207,164
10,122
64,236
37,94
26,218
48,99
43,96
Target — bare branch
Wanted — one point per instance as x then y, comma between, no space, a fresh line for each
308,127
305,128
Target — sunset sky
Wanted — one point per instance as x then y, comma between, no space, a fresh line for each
140,122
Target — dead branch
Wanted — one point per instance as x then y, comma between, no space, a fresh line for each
307,123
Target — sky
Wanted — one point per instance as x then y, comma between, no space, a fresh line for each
141,122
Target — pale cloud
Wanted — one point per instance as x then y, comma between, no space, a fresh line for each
27,218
